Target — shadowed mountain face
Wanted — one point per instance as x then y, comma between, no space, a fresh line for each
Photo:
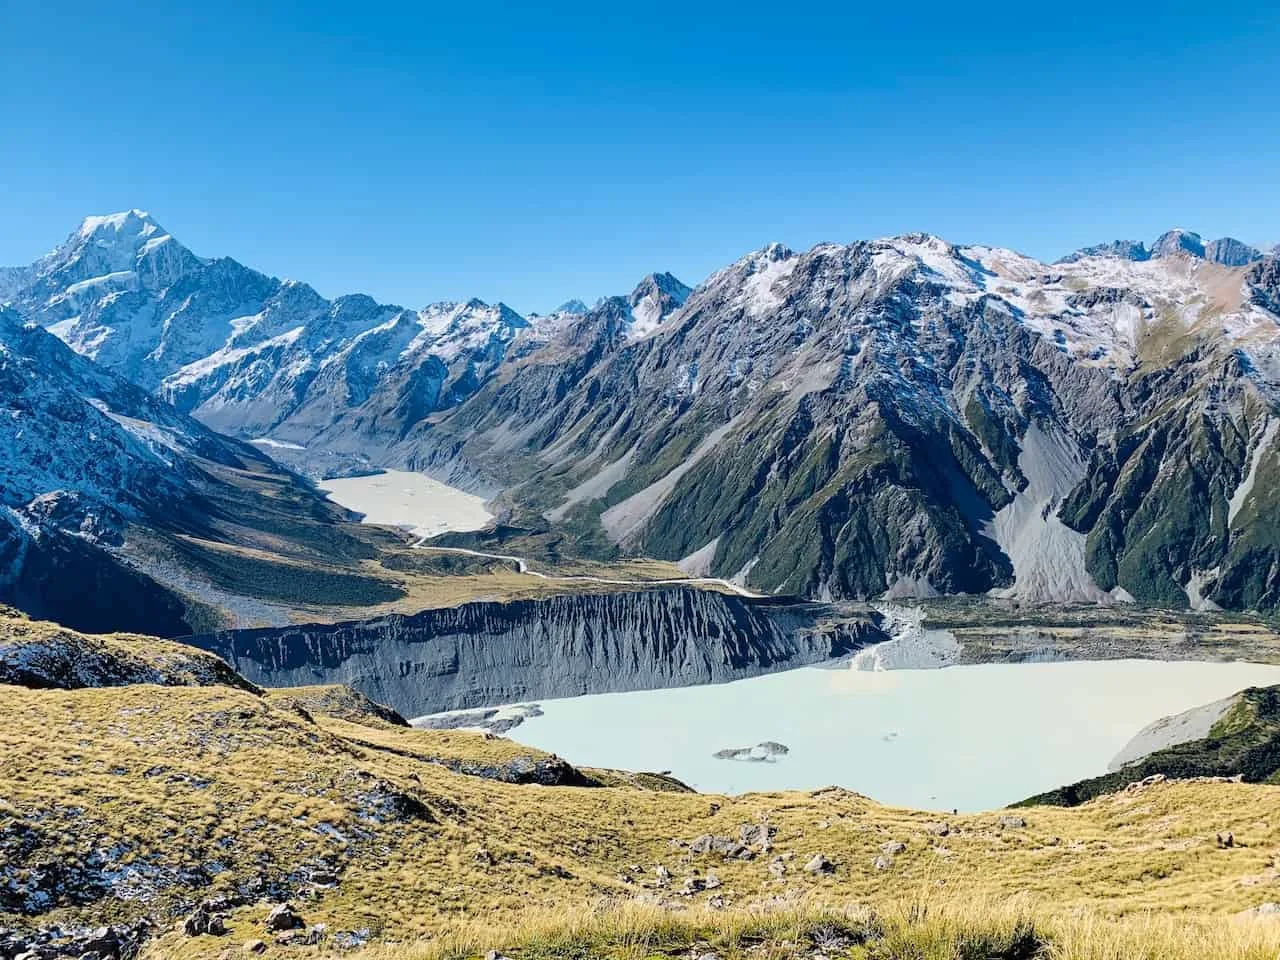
901,416
93,470
910,417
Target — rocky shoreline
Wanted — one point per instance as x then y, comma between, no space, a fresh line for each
965,631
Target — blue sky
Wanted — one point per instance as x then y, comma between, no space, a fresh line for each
531,153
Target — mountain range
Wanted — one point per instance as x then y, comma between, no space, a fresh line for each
900,417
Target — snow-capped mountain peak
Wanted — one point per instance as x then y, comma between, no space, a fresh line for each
235,346
654,299
133,222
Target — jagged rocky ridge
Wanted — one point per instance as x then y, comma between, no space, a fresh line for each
480,654
1227,251
909,417
250,354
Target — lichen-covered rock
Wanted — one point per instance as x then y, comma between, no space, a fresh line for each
42,655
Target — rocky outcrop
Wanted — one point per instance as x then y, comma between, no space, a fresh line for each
1230,252
45,656
1174,242
490,653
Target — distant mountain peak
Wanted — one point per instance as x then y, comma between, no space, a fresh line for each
1231,252
662,283
571,306
1134,250
128,222
654,299
1178,241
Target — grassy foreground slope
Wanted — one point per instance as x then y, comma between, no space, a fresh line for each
144,800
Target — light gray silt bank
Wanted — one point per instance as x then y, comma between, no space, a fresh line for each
480,654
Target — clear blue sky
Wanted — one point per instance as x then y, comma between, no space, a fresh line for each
533,153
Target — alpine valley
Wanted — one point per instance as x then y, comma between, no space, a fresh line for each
283,580
898,418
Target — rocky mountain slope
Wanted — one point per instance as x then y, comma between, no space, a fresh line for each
899,417
909,417
43,655
1237,738
109,497
240,349
248,354
188,821
479,654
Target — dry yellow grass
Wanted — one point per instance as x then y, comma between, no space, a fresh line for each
930,925
421,588
176,779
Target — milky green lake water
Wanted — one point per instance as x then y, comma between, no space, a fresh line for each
968,738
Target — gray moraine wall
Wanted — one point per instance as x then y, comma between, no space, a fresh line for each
483,654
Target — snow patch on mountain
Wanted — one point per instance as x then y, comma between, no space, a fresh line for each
652,301
448,328
226,356
1240,495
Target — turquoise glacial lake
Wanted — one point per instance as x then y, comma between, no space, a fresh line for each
964,737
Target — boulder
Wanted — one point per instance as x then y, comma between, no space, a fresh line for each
756,835
204,921
893,848
284,917
819,864
727,847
